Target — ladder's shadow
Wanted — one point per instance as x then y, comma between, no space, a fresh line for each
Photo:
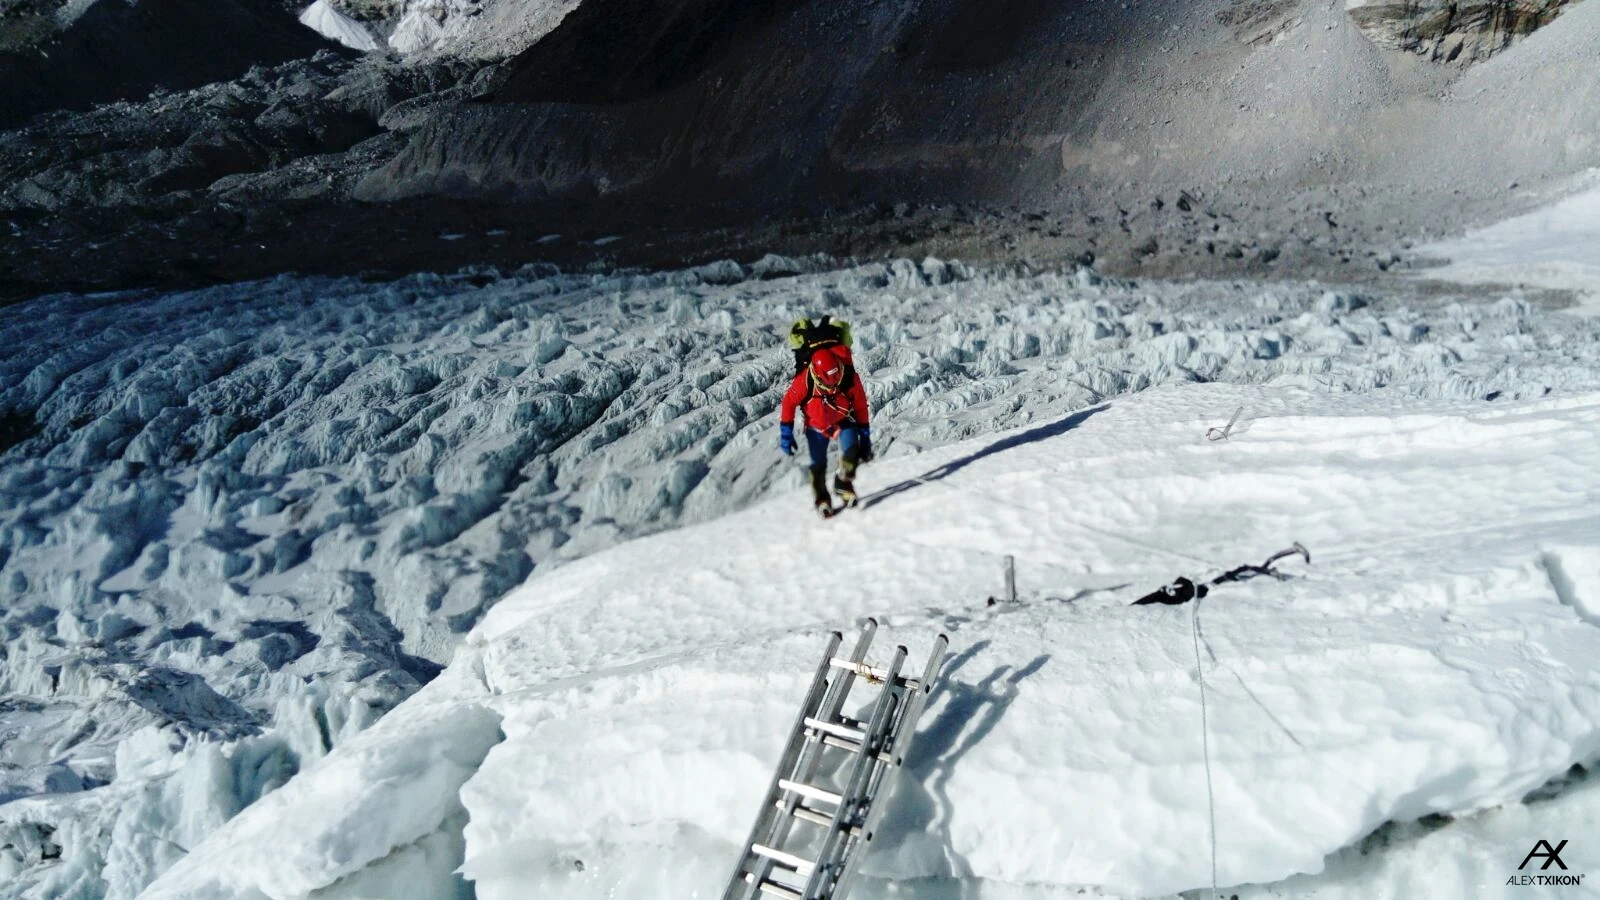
1042,432
921,802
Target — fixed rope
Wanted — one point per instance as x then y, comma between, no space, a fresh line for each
1205,740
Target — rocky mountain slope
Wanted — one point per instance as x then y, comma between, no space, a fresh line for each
72,55
766,104
1161,137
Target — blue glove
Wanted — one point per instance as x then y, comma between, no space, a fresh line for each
786,438
864,441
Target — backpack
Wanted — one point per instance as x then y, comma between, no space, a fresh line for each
807,337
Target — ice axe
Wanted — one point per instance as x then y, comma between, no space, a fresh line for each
1221,434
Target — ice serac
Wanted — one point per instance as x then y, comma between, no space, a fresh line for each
385,814
167,791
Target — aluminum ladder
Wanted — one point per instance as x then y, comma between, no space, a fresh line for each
842,813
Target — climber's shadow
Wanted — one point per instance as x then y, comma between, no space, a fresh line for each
967,714
1042,432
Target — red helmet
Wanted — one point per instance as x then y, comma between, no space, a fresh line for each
827,371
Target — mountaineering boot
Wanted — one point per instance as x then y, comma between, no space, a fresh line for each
845,488
844,482
819,491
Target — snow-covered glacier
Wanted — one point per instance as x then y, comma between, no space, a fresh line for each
632,703
240,525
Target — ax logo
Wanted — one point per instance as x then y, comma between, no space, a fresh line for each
1550,854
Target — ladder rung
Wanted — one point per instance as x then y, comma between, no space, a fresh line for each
842,743
807,814
844,737
855,747
806,790
772,887
849,734
871,673
788,860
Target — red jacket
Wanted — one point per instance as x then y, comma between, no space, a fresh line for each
826,413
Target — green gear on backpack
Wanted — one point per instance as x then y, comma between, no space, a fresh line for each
826,332
798,332
807,337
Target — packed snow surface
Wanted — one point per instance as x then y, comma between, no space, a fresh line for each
1556,246
238,525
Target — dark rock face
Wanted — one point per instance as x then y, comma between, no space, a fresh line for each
1447,31
119,50
610,53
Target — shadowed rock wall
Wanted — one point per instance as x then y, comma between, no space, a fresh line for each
119,50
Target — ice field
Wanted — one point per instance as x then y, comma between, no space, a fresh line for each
240,525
